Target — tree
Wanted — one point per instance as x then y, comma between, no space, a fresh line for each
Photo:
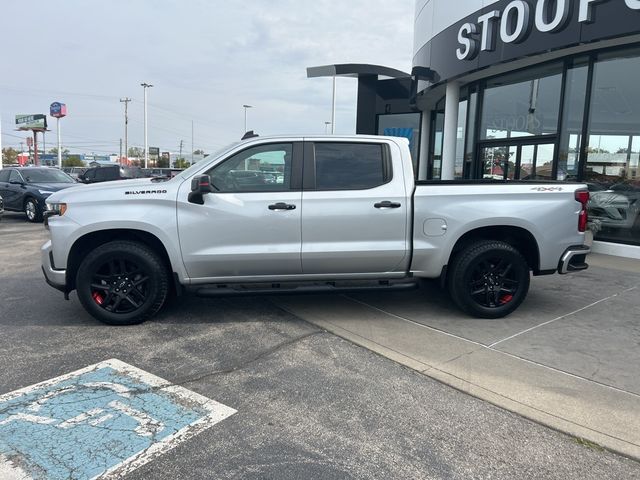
181,163
54,151
163,162
136,152
9,156
198,152
73,161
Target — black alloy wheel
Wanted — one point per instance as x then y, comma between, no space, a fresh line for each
489,279
122,283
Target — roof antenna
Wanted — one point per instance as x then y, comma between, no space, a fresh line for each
249,134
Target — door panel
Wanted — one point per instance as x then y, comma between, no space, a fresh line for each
342,230
250,226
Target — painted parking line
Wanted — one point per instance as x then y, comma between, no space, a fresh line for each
101,421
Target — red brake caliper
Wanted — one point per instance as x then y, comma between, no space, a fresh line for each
97,298
506,298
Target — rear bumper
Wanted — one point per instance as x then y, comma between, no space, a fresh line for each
54,277
573,259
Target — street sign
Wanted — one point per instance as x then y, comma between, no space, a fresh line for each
105,419
29,122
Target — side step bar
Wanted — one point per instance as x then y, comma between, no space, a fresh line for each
298,289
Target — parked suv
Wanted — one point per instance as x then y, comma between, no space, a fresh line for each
25,189
74,171
109,173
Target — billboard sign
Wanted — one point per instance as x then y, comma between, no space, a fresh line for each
30,122
58,110
155,151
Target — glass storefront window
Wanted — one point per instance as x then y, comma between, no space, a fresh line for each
437,137
572,120
471,139
460,136
519,107
613,153
405,125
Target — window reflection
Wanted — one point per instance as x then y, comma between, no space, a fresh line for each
519,108
613,153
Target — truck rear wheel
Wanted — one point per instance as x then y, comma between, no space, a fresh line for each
122,283
489,279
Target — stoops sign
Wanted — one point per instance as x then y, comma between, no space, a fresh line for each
106,419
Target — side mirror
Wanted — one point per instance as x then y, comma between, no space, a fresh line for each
200,186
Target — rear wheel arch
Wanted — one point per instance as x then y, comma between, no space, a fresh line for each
519,238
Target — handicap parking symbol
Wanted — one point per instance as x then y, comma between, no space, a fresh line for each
104,420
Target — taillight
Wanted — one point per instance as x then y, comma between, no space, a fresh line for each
582,196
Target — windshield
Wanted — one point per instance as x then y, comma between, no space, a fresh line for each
46,175
196,166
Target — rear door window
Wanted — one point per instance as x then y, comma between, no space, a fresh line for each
351,166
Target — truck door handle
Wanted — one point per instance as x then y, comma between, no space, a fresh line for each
282,206
388,204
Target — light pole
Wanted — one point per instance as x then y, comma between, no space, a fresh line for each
57,110
146,146
246,107
333,107
126,101
326,127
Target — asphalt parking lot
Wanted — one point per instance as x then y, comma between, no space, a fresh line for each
308,404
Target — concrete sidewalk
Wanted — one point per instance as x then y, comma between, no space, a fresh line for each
568,358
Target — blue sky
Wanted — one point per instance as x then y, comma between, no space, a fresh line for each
205,59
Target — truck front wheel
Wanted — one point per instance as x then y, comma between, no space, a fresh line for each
489,279
122,283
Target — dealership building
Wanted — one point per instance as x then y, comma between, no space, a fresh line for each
517,90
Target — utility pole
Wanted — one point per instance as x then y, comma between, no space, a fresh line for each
180,155
191,142
120,162
126,128
146,146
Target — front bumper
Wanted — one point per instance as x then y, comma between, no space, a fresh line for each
573,259
54,277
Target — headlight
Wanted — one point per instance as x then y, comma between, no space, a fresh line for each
56,209
45,192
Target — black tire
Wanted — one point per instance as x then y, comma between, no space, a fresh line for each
122,283
32,210
489,279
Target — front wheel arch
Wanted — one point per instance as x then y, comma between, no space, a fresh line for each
83,245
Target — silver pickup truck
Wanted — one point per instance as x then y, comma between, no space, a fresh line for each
306,214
